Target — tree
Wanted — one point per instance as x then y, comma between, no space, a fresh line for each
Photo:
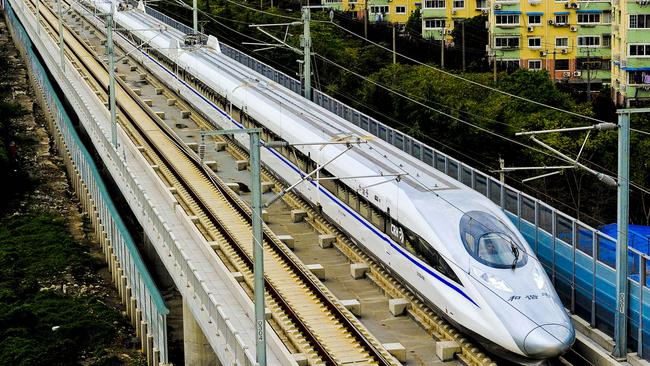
414,22
476,37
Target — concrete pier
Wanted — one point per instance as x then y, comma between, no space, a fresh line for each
198,351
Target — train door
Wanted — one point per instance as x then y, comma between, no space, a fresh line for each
388,250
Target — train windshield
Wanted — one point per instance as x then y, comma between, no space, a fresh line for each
490,242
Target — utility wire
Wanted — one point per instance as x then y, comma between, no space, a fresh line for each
468,80
640,131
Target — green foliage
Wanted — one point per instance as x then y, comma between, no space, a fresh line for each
463,119
37,247
35,250
414,22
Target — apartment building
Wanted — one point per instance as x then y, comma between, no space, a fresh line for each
570,39
391,11
438,16
631,53
577,41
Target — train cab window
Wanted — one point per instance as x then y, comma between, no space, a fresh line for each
490,242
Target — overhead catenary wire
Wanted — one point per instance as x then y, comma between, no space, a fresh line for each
634,185
511,305
479,162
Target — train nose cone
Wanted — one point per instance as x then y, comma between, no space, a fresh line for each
549,340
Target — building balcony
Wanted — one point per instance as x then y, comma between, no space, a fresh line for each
433,13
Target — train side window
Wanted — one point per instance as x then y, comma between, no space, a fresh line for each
424,251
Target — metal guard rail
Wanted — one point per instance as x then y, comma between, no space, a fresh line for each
149,300
235,350
579,258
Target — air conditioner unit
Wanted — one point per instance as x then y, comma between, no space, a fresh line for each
531,28
542,53
574,28
449,31
646,87
567,5
575,5
564,51
566,74
453,12
497,6
551,22
577,74
484,11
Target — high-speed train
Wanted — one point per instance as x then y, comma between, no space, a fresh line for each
450,245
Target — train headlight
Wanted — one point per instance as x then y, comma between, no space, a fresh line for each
491,280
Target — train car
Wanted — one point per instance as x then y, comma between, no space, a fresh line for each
450,245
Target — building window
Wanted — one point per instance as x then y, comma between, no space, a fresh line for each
481,4
458,4
639,21
534,20
534,42
506,42
434,23
561,42
607,17
400,9
561,65
561,19
639,50
534,64
638,77
434,4
584,63
588,18
607,40
510,65
589,41
378,9
507,19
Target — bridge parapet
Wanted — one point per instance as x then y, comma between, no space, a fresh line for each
220,306
578,257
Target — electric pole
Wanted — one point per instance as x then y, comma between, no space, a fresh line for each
365,19
622,226
463,40
554,63
494,66
589,73
61,44
306,49
442,48
111,74
258,247
394,47
195,16
502,172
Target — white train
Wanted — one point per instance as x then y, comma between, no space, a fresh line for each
449,244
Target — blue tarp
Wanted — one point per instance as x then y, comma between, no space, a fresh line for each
638,237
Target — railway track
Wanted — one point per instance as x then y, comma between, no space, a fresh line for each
433,324
307,314
233,243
